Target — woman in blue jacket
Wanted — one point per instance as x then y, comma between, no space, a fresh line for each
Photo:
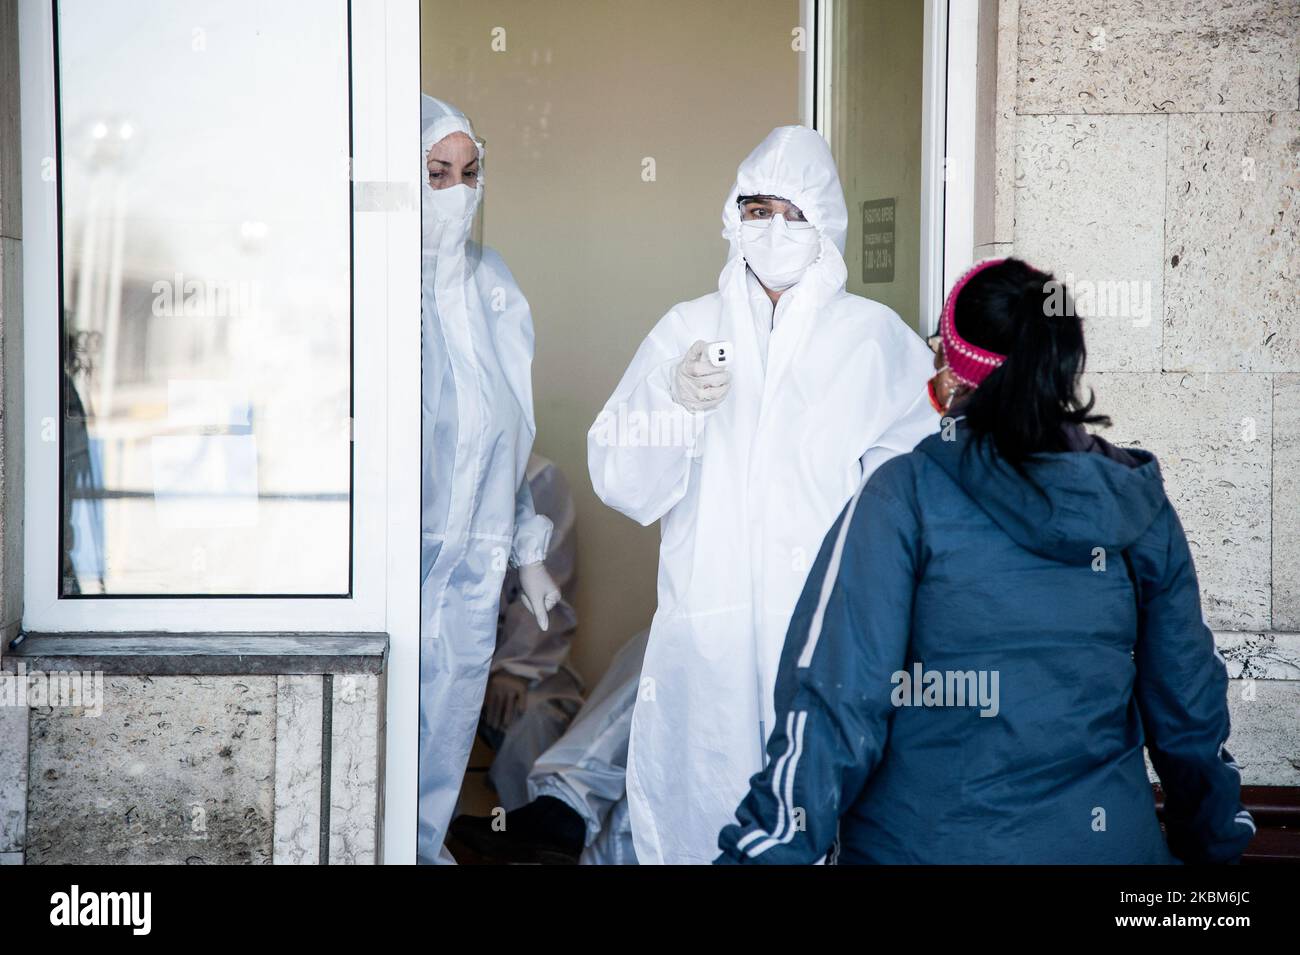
996,625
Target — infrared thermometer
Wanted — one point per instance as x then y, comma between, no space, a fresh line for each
719,354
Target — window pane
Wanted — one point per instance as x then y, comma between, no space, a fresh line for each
878,57
206,245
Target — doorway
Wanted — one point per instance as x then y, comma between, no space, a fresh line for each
610,143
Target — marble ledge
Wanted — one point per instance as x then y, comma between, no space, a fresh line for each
210,654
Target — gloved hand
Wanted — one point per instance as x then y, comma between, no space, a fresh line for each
697,385
538,591
504,700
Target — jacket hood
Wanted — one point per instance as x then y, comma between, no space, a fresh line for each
794,163
1092,499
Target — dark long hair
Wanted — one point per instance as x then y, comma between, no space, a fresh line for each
1026,404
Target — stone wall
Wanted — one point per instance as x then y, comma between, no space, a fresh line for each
200,770
1153,147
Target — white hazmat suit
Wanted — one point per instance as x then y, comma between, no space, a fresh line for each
477,514
586,768
823,389
538,656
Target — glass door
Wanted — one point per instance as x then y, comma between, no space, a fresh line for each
221,327
877,78
894,93
205,297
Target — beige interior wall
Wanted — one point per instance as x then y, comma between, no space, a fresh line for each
877,64
582,94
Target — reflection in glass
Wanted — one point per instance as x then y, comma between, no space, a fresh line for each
878,57
206,238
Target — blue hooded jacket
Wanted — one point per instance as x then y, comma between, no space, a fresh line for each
974,668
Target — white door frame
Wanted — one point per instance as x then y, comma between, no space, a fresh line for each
956,173
385,73
947,133
388,36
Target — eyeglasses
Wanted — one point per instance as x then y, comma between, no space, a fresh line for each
765,208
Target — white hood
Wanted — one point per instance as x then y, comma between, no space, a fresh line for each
451,223
438,120
794,163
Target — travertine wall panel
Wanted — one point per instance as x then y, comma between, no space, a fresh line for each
1148,56
1090,209
354,770
176,769
297,769
1286,502
1232,245
1212,435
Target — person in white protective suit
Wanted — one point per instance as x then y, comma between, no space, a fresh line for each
747,465
578,809
477,430
532,693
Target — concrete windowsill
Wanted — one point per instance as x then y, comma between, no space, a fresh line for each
215,654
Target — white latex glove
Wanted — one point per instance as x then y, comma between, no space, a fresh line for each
697,385
538,591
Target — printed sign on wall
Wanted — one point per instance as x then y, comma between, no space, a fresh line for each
878,240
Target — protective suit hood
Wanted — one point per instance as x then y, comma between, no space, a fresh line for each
794,163
451,222
438,120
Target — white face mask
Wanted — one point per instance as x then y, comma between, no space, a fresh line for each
447,214
779,252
